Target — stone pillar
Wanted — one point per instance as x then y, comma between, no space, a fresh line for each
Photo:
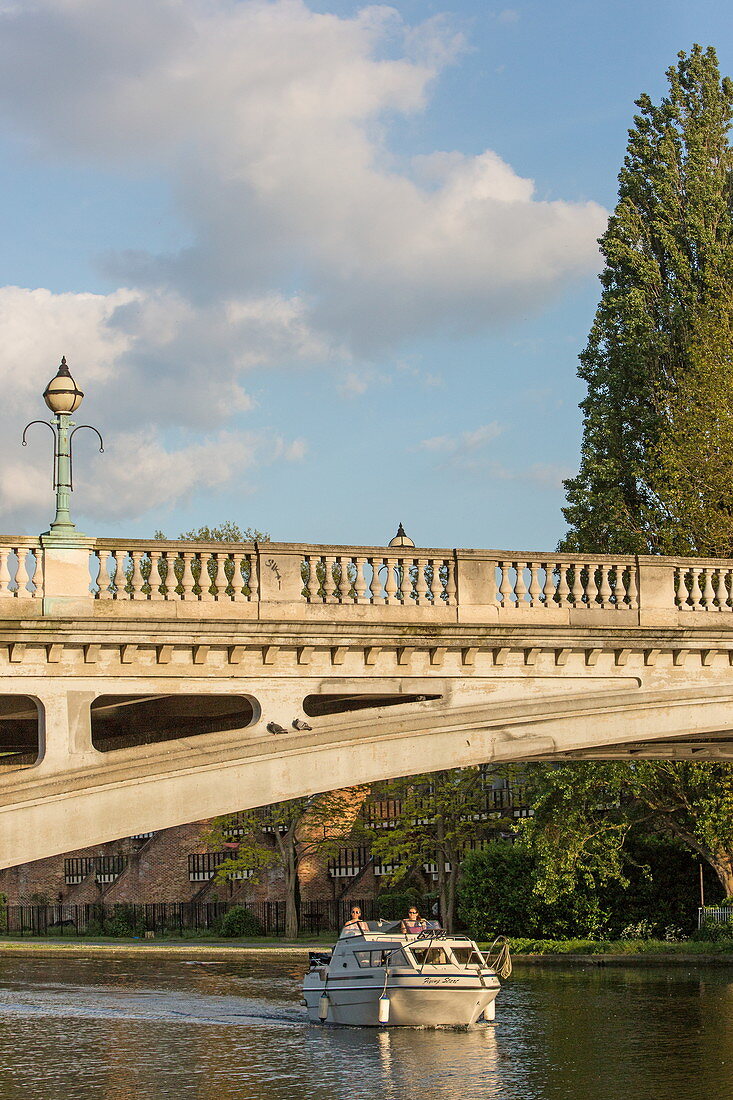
475,587
657,605
66,579
281,581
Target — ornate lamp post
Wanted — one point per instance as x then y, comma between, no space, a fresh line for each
63,397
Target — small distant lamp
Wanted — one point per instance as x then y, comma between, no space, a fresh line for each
401,539
63,397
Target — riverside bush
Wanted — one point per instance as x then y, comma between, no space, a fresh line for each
239,921
497,895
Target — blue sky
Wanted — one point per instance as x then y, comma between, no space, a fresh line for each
293,256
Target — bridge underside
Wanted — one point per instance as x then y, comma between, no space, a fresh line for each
73,799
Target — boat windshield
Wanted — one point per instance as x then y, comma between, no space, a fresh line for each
381,926
430,955
468,956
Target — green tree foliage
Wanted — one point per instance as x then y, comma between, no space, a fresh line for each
443,814
284,835
500,894
228,531
657,362
694,454
585,814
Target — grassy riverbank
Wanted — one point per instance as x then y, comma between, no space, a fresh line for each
524,951
630,948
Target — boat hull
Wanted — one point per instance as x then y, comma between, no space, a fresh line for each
413,1002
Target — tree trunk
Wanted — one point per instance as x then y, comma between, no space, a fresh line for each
287,846
450,910
292,914
722,863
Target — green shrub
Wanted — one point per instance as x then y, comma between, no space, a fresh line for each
393,904
497,895
239,921
714,932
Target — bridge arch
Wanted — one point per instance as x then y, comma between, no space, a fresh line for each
176,782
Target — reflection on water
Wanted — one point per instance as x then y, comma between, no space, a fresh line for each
158,1029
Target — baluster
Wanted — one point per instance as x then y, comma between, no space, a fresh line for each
563,588
719,593
616,585
254,578
22,577
520,588
376,588
5,578
435,590
329,582
422,586
682,593
360,585
314,585
724,590
534,584
576,592
505,588
136,579
633,588
241,577
115,576
188,581
591,585
404,570
37,578
390,581
171,580
695,593
548,590
708,595
604,592
102,592
450,582
155,580
344,584
219,581
207,568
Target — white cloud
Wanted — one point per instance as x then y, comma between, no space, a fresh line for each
458,446
508,16
311,241
271,123
150,360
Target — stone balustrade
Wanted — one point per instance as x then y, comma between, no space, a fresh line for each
173,571
149,578
21,568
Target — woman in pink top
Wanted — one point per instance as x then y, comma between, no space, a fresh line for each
413,923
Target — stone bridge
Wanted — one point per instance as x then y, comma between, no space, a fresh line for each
148,684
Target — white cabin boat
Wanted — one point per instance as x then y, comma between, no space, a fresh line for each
384,977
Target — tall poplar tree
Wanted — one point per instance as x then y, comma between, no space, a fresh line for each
656,371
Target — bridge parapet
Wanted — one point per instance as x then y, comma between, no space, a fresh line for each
132,578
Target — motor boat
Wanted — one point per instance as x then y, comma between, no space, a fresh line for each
378,976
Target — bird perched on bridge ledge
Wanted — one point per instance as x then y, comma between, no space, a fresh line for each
273,727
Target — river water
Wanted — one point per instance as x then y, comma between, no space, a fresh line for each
137,1028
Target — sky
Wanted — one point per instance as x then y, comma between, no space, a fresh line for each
320,267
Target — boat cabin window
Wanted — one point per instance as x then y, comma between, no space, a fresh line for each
371,958
467,956
431,956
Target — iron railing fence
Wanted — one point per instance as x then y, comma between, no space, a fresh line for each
170,918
